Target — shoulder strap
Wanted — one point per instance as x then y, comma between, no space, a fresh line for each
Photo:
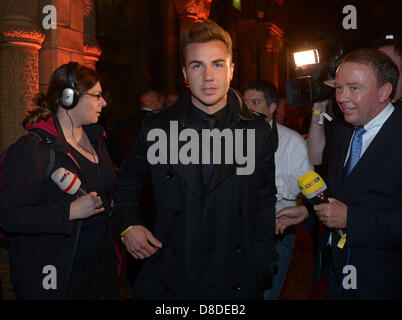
52,156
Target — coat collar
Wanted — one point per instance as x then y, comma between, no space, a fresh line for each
191,173
50,129
237,109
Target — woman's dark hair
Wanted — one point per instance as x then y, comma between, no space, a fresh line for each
84,79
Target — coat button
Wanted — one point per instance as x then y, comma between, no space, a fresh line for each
236,288
176,212
240,210
237,250
169,174
174,250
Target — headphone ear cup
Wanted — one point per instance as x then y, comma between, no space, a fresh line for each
68,98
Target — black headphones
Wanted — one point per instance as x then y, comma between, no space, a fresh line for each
69,96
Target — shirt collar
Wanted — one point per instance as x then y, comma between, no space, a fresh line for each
146,109
380,118
198,115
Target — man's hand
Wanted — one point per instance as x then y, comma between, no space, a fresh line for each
333,214
140,242
290,216
321,106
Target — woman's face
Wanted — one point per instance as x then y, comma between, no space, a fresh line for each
90,105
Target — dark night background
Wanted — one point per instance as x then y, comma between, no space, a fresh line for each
132,36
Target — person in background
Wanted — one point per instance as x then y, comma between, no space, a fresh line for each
126,131
291,161
171,98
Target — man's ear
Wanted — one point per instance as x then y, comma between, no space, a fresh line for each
272,108
231,70
385,92
183,69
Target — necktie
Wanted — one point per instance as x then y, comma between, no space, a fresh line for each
355,150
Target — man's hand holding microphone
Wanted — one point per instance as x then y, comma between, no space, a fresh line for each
331,212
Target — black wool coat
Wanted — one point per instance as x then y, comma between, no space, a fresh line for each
218,243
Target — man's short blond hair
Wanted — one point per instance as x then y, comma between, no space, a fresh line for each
205,31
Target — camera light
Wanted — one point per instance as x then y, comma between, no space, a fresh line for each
389,37
306,57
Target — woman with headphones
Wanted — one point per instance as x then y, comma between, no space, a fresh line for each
61,245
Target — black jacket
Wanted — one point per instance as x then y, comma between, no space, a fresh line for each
36,212
217,244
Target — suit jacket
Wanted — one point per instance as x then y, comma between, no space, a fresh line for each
372,193
218,243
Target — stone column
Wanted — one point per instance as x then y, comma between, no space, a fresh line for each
192,11
269,48
91,48
20,40
65,43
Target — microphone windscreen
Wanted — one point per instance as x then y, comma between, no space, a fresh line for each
311,185
67,181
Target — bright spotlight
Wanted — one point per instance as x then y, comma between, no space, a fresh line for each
306,57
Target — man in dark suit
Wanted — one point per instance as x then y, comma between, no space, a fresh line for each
393,49
214,231
365,183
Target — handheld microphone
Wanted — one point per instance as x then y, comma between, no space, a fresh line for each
313,187
68,182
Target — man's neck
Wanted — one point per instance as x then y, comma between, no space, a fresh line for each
208,109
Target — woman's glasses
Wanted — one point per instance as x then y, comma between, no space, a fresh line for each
98,96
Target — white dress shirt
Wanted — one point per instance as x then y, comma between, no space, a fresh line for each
291,161
372,128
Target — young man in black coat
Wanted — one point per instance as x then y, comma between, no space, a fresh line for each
215,225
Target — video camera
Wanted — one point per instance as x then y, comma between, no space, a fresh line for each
309,87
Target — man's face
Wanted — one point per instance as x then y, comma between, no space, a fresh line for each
357,94
171,99
208,70
255,101
152,100
390,52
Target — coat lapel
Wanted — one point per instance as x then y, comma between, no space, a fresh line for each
380,145
377,148
341,156
191,173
